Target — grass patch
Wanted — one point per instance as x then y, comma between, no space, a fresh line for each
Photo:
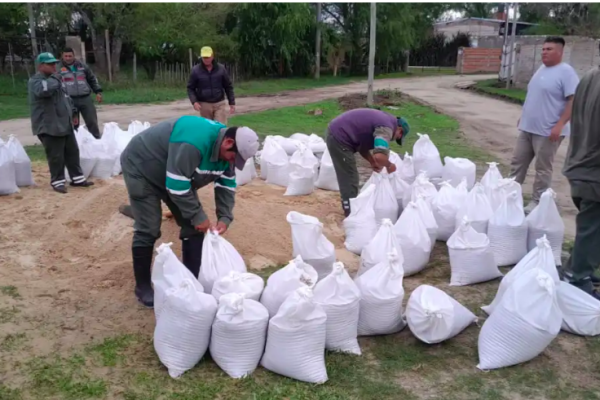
7,314
13,100
10,291
492,87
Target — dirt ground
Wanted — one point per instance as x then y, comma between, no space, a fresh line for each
488,122
69,256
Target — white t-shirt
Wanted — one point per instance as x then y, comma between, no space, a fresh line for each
546,99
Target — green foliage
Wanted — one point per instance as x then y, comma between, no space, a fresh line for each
579,19
13,19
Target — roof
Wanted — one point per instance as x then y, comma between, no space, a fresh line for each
480,19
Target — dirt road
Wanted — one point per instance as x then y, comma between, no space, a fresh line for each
489,123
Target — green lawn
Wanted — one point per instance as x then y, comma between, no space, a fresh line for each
13,100
492,88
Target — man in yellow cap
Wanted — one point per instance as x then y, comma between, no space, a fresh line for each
207,87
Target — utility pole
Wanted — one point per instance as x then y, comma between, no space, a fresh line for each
512,45
504,59
34,48
372,53
318,44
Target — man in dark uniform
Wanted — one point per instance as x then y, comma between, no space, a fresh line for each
368,132
582,169
80,82
52,122
168,163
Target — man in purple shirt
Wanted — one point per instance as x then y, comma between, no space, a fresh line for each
368,132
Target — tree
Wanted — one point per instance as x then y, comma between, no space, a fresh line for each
478,10
13,29
580,19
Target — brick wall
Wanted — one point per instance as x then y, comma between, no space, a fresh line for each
472,60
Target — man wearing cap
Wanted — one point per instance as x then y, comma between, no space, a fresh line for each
208,84
80,82
368,132
52,122
168,163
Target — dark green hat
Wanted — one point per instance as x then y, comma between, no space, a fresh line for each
46,58
402,123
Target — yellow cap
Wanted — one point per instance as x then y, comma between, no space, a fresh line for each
206,52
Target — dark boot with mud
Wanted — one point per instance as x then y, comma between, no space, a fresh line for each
142,266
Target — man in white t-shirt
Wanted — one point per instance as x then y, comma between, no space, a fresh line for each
544,122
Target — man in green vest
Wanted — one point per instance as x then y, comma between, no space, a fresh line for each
169,162
80,82
52,122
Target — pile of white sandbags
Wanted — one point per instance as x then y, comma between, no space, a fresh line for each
427,158
304,170
8,176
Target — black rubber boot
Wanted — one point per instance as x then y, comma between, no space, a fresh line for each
82,184
60,189
191,249
125,209
142,265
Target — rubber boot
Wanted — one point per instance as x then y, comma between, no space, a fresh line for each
346,207
142,264
125,209
191,249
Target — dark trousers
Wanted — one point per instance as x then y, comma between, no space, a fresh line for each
346,171
145,200
87,110
585,257
62,151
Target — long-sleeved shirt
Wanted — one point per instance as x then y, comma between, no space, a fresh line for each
51,107
180,156
210,86
79,79
582,164
364,129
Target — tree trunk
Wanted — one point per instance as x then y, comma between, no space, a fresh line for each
335,69
100,64
115,54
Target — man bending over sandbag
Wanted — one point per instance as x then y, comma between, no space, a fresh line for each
168,163
368,132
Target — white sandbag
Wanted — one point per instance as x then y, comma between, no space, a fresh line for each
407,171
422,186
471,257
88,157
340,298
426,215
507,231
246,175
360,225
327,179
268,150
137,127
412,236
400,187
219,258
385,204
546,220
304,169
284,281
395,159
427,157
382,244
167,273
182,332
316,144
288,144
476,207
106,159
120,139
491,178
523,325
433,316
8,176
22,163
504,187
300,137
238,336
540,258
457,168
245,283
310,243
296,339
278,165
444,207
381,298
581,312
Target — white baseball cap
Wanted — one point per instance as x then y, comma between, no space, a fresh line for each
246,141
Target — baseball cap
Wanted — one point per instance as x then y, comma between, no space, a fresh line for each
246,142
206,52
402,123
46,58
